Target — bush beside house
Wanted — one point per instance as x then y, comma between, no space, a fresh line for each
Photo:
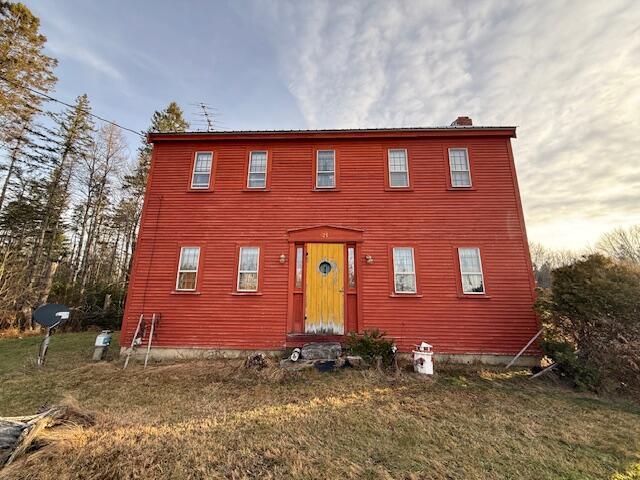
591,316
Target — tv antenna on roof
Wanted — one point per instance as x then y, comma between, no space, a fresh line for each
206,116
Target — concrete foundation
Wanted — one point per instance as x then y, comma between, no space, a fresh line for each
177,353
180,353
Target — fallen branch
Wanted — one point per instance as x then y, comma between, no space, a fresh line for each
542,372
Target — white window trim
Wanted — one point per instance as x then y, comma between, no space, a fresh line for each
335,161
257,271
462,274
468,167
193,172
180,270
266,169
406,159
413,263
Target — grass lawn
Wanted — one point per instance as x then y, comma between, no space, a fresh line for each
213,419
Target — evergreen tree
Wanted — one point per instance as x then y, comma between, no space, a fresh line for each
23,65
22,61
73,142
170,119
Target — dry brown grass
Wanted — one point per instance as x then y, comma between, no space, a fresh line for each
214,419
17,333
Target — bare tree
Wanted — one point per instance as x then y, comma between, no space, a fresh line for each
545,260
102,168
622,244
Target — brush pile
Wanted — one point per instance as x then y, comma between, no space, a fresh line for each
20,434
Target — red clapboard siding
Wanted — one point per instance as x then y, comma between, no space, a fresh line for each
430,216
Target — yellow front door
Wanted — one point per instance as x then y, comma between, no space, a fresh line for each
324,309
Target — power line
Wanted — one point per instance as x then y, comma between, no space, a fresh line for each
49,97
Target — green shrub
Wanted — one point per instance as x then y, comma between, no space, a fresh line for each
371,344
591,316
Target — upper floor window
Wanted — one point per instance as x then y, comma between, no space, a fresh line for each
326,169
202,170
459,167
398,168
471,270
248,265
188,268
404,270
257,177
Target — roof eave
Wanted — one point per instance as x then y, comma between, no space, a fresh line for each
335,134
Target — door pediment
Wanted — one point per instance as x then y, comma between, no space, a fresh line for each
326,234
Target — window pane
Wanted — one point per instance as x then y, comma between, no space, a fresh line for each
203,163
460,179
397,161
458,160
326,161
200,180
469,260
189,258
258,162
398,179
248,281
403,260
299,256
187,281
326,180
351,266
257,180
249,259
405,283
472,283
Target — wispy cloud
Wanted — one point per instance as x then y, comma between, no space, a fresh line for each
566,72
85,56
68,39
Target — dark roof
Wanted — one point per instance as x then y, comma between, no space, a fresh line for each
337,132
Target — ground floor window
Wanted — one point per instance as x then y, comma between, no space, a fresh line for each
188,268
404,271
471,270
248,265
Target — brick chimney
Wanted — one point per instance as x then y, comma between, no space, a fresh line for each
462,122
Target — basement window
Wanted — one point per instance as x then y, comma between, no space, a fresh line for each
188,268
398,169
404,271
459,167
471,271
248,263
326,169
202,170
257,177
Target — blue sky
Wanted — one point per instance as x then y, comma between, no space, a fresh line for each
567,73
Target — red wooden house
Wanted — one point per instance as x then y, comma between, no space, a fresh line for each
264,240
